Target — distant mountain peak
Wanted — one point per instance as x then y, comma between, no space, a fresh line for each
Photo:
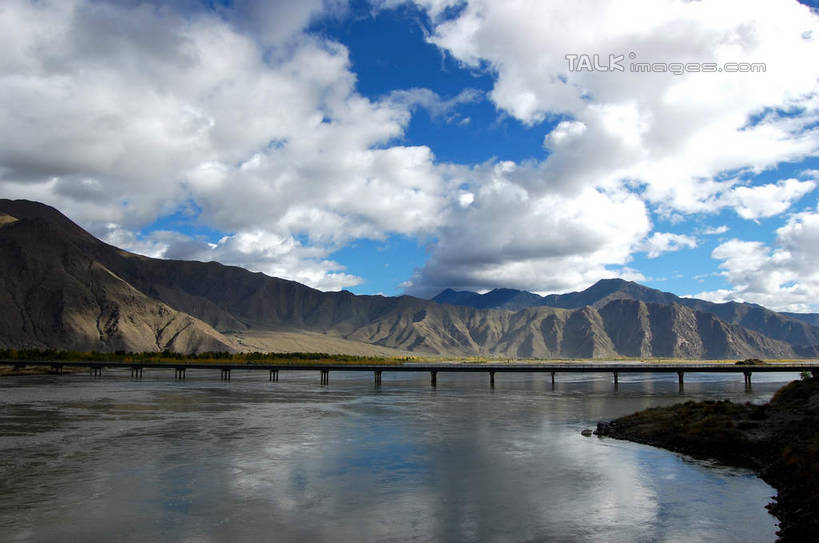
497,298
611,281
27,210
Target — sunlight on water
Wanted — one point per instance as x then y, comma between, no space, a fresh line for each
203,460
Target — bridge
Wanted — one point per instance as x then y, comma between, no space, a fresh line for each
680,368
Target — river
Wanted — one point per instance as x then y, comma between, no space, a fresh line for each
200,460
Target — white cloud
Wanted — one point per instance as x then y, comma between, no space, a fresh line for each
435,8
671,134
509,236
716,230
663,242
685,143
437,107
280,257
120,113
255,250
784,277
564,131
466,199
277,22
767,200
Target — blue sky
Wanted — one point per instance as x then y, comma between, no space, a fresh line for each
388,51
393,146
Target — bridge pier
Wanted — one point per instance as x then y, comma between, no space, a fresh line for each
680,379
136,372
377,377
274,376
325,377
492,379
433,378
57,368
553,379
616,381
225,374
95,371
179,374
747,375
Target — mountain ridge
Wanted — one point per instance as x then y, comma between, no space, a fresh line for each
789,327
63,288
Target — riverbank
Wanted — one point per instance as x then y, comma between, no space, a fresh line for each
779,440
14,371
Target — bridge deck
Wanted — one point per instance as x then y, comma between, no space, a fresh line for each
634,367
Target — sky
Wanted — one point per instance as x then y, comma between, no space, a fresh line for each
404,147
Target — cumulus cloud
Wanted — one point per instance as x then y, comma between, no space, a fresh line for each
686,144
663,242
118,113
277,22
564,131
767,200
255,250
466,198
513,237
784,276
671,134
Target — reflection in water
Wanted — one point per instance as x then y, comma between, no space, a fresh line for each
205,460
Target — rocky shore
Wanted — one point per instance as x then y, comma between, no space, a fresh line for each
778,440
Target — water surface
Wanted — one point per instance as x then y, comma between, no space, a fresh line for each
84,459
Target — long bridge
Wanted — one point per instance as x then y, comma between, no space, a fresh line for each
680,368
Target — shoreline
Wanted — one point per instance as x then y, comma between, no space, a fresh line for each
778,440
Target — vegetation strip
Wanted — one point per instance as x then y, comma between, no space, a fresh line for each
171,357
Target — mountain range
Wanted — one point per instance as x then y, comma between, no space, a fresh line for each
796,328
62,288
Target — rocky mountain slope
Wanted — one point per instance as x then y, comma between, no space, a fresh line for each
61,287
789,327
810,318
55,295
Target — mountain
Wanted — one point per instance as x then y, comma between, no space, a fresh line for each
596,295
810,318
62,288
55,294
606,290
500,298
788,327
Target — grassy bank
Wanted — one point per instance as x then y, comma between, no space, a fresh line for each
170,357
